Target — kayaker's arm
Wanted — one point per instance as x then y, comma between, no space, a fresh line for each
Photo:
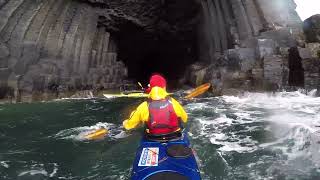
179,110
138,116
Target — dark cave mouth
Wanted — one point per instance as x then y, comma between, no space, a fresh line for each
169,62
296,71
145,54
167,44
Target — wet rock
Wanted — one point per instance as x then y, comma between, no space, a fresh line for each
283,37
257,73
245,58
232,92
4,51
284,51
196,74
311,28
305,53
273,71
314,48
265,47
311,68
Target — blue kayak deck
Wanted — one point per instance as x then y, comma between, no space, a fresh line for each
152,158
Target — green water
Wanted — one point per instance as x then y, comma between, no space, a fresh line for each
29,148
234,137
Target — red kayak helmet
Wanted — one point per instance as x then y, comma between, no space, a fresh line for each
156,80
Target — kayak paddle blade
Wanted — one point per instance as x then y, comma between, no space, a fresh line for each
140,85
198,91
100,133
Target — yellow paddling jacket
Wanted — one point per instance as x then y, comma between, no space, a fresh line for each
141,114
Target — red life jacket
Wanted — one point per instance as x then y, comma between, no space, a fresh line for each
162,117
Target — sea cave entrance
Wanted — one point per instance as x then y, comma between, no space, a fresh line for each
170,57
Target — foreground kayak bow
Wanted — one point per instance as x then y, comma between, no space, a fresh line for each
173,159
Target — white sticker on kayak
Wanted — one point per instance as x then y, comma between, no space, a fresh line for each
149,157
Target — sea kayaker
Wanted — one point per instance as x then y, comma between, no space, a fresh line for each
161,114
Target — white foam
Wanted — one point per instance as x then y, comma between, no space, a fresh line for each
34,172
55,170
312,93
79,133
4,164
109,96
83,98
121,135
288,112
243,115
218,137
197,106
235,146
39,169
16,152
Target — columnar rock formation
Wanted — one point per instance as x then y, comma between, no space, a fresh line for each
51,47
246,45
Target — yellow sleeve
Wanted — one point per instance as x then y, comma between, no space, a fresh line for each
141,114
179,110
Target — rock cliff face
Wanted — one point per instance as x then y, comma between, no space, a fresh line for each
49,48
254,45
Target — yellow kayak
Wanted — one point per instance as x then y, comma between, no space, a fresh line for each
133,95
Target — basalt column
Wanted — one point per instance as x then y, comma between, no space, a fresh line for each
215,29
50,47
